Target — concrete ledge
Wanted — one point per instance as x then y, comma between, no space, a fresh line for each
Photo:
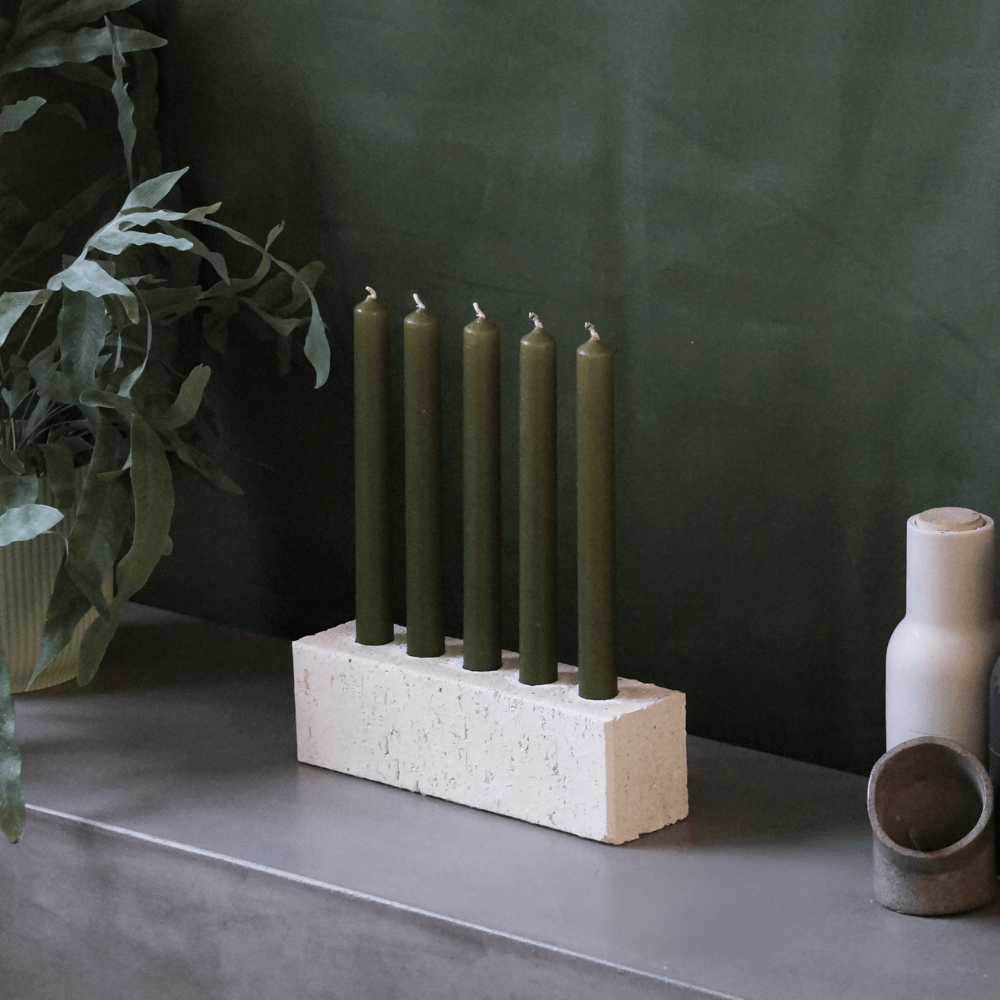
180,923
605,770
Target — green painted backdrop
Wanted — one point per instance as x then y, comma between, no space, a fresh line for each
783,217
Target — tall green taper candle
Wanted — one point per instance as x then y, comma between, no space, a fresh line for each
481,475
373,626
422,432
537,460
595,517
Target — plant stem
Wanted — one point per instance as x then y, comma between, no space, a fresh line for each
31,328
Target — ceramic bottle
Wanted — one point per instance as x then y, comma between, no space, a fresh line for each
938,662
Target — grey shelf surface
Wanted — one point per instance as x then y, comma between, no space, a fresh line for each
179,767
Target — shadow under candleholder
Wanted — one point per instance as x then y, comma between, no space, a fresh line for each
605,770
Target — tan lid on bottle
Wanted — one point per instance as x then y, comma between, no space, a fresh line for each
949,519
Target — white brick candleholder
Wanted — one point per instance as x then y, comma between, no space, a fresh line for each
607,770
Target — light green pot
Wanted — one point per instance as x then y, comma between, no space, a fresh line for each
27,575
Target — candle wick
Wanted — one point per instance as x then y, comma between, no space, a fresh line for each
593,333
371,292
534,319
416,298
479,312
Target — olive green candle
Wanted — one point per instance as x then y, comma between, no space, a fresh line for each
373,626
537,462
481,493
422,433
595,517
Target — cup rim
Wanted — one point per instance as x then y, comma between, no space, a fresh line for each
985,788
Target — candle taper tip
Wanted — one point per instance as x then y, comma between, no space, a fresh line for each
416,298
594,335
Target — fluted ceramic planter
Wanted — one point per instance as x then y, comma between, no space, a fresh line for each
27,575
930,803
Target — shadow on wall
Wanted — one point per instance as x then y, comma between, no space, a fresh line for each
244,560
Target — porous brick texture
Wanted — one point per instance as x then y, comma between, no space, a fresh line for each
606,770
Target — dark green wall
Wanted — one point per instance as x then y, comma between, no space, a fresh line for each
781,215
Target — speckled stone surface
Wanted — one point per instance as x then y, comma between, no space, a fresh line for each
606,770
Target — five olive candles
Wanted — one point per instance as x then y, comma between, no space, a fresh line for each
595,457
538,663
595,517
373,614
422,445
481,648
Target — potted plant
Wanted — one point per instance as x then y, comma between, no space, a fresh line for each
99,285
